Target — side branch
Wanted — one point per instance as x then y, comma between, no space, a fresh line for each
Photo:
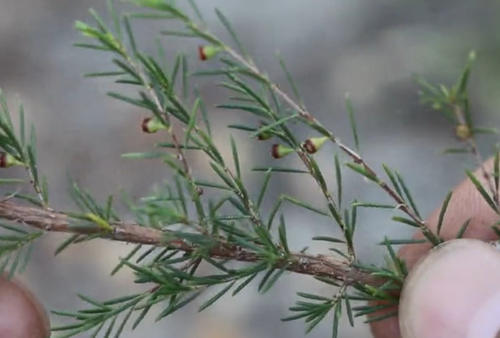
49,220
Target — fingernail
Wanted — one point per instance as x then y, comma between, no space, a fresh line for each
454,291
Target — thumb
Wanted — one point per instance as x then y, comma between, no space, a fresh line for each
454,291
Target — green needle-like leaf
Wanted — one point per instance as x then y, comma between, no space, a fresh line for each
352,120
273,125
443,211
236,158
231,31
216,297
482,191
463,228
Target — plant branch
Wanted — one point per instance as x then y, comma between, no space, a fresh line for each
52,221
402,205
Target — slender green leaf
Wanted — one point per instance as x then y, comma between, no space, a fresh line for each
443,211
362,170
282,234
196,10
273,125
496,171
402,241
64,244
280,170
216,297
289,77
336,318
338,179
406,221
263,189
235,158
349,309
185,84
231,31
126,259
392,178
303,204
407,193
192,122
352,120
373,205
463,228
328,239
482,191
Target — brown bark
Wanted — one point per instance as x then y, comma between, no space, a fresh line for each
53,221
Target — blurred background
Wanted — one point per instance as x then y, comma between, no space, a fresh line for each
370,49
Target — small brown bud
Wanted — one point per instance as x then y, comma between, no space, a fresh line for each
7,160
463,132
313,144
208,52
280,151
151,125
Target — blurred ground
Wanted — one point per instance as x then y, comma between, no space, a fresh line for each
370,49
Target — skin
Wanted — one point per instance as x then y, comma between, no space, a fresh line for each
466,203
21,315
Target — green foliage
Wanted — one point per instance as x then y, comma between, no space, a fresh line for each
313,309
16,245
216,220
21,147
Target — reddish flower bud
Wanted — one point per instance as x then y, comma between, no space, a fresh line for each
463,132
152,125
7,160
208,52
279,151
313,144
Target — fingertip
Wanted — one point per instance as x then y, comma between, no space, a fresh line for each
385,328
21,315
452,291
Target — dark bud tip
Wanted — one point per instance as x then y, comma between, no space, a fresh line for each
7,160
275,151
144,125
209,51
314,144
310,147
3,160
201,53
